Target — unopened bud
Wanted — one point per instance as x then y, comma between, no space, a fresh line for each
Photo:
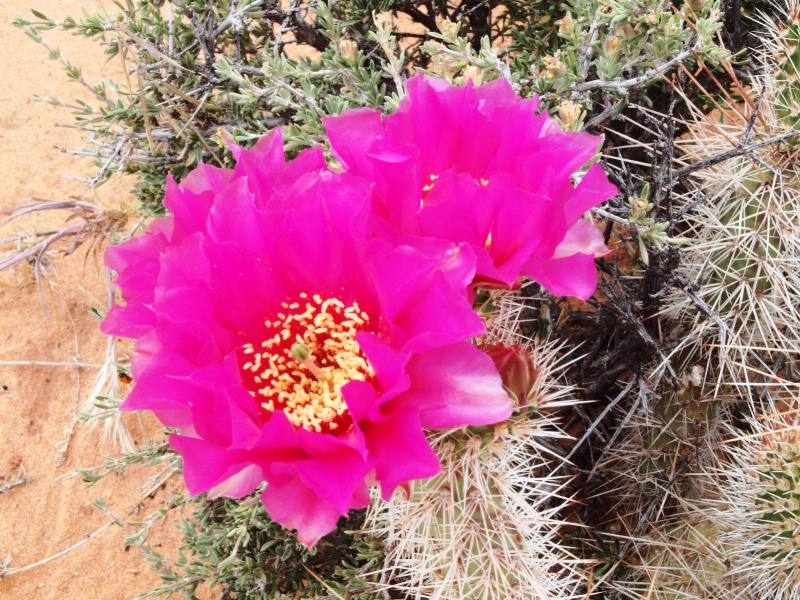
651,18
446,27
444,64
611,44
570,113
474,73
382,21
566,25
695,4
515,365
223,137
348,50
553,67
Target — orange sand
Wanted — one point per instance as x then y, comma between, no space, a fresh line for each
45,516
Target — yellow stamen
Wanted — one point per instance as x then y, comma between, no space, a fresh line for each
305,379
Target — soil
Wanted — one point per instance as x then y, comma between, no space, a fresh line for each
39,436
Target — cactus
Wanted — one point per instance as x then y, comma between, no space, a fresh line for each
777,527
744,258
729,528
783,45
684,559
761,514
667,447
739,539
488,526
683,426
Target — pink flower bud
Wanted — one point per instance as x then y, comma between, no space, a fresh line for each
516,369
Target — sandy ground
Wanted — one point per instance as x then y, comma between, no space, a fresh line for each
37,403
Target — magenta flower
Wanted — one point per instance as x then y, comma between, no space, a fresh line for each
478,165
290,346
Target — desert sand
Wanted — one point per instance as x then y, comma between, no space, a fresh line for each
46,516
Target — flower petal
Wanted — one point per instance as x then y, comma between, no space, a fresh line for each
573,275
422,287
350,133
430,158
296,506
239,485
206,466
593,189
401,450
582,238
453,386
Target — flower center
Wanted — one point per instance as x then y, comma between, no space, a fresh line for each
308,354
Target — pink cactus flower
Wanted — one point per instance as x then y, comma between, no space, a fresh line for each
479,165
291,346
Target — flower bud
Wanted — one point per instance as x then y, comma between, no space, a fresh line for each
382,21
474,73
570,113
444,64
447,27
515,365
553,67
223,137
611,44
348,50
566,25
695,4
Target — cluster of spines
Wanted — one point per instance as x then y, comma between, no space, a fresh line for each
761,485
738,535
683,558
662,454
489,525
744,261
